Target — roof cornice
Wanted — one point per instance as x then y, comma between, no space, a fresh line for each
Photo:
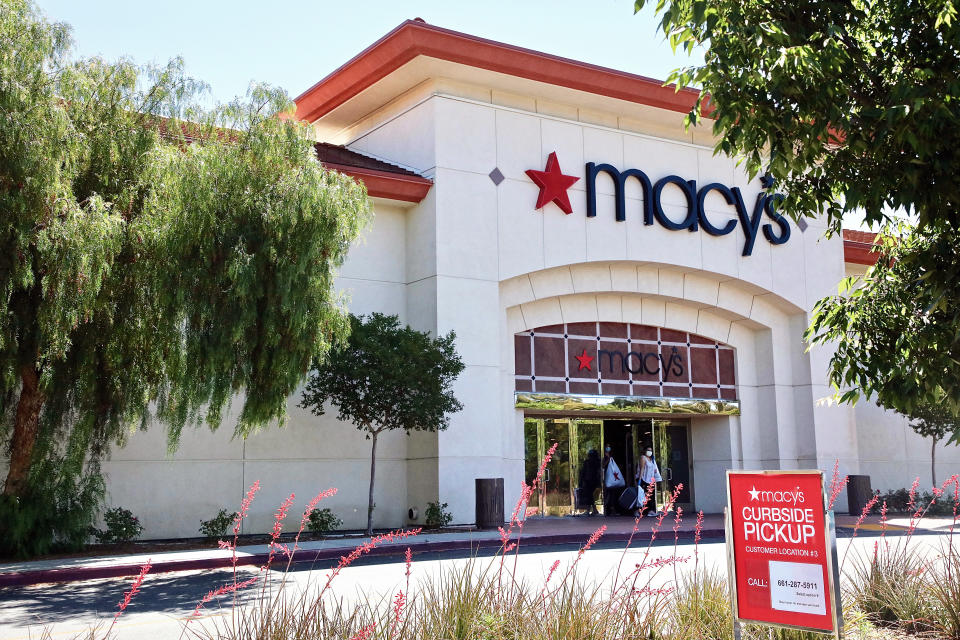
384,184
859,247
416,38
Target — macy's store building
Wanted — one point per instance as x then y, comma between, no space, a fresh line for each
611,283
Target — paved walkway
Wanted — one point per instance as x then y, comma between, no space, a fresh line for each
536,532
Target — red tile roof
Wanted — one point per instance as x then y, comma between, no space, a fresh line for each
417,38
338,154
858,247
382,179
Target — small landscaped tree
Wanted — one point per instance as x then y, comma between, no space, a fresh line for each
386,377
937,422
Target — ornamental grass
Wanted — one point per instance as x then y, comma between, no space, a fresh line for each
896,586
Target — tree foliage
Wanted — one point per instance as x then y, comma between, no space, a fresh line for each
853,108
937,422
896,330
387,377
156,258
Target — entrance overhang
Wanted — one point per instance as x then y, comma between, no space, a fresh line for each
619,405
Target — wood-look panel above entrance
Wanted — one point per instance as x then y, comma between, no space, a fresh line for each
623,360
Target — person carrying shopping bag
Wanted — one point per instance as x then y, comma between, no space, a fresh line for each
648,473
613,483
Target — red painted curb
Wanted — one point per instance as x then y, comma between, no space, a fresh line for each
26,578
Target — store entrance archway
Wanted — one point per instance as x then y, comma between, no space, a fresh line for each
627,438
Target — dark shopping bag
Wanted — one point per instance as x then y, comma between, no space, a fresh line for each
628,499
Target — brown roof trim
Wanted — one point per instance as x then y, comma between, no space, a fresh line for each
414,38
386,184
338,154
382,179
858,247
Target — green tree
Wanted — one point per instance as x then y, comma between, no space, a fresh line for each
386,377
896,330
934,421
853,109
156,259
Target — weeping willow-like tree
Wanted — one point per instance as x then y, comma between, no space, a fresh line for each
156,260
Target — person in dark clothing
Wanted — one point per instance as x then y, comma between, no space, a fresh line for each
610,494
589,481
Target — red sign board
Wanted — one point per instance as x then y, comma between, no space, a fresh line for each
781,550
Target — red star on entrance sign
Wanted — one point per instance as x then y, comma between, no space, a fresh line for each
585,361
553,184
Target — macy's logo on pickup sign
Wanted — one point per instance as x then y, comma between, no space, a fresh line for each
554,183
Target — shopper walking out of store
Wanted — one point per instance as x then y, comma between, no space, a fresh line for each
648,473
589,482
613,483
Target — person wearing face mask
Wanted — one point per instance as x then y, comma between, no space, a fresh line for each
648,473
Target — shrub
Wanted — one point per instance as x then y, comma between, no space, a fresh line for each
898,501
437,515
122,526
55,514
323,521
217,526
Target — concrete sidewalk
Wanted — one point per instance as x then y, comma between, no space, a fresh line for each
537,531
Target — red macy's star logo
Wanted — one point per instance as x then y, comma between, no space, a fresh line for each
553,184
585,361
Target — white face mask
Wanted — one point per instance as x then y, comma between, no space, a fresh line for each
649,453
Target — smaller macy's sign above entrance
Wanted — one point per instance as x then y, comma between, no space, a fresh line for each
621,359
554,183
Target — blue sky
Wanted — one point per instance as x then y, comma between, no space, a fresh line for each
293,45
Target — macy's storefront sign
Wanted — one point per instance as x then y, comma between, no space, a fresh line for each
554,183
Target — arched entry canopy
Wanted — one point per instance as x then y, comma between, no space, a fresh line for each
623,367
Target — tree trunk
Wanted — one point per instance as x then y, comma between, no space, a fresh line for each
933,462
25,427
373,473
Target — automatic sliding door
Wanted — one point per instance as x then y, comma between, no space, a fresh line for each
532,455
670,440
557,481
587,436
672,450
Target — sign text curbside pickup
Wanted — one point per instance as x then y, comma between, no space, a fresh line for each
782,550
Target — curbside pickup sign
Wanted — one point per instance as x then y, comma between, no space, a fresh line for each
781,548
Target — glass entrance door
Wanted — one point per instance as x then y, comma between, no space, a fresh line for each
575,438
671,442
557,485
586,436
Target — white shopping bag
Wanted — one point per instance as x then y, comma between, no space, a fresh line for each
613,478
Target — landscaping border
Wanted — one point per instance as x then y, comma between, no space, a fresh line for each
76,574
